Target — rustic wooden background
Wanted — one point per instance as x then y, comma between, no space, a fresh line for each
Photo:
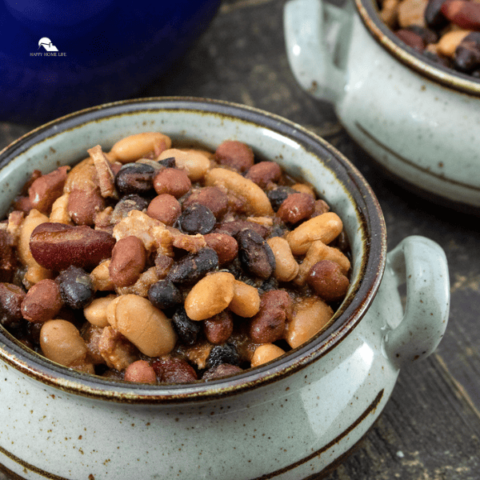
430,429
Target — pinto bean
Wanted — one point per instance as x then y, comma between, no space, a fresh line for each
268,325
96,312
266,353
325,227
286,267
193,162
140,372
450,41
235,154
101,277
35,272
133,147
61,342
246,300
258,202
210,296
143,324
319,251
309,317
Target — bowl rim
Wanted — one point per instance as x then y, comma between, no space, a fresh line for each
353,309
368,12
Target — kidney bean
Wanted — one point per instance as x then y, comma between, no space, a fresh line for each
186,329
268,325
164,295
328,281
193,267
411,39
128,261
172,181
174,370
140,372
211,197
76,287
218,328
135,178
222,370
42,302
197,219
255,254
11,298
47,188
463,13
234,154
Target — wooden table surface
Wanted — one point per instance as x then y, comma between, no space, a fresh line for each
430,429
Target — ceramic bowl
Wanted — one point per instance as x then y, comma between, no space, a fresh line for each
415,118
288,419
99,51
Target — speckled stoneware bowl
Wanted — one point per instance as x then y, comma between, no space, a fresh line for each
288,419
417,120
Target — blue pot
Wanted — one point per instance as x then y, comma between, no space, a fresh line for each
58,56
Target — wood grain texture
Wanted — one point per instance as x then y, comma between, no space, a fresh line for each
430,429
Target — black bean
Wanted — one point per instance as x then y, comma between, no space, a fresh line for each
11,298
197,218
135,178
434,18
164,295
278,195
437,59
168,162
255,254
277,232
76,287
126,205
193,267
467,54
223,354
186,329
268,285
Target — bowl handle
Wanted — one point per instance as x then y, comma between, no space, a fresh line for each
422,265
317,36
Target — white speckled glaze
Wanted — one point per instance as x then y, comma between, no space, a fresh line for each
416,128
289,419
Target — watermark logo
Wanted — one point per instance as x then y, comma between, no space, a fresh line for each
47,44
50,49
